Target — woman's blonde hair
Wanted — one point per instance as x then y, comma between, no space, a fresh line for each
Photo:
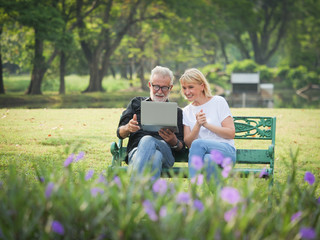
193,75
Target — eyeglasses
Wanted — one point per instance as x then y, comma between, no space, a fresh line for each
163,88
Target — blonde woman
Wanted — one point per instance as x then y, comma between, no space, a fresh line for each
207,120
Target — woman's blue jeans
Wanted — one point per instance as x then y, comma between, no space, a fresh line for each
151,153
202,148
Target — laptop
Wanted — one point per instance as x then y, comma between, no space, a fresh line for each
157,115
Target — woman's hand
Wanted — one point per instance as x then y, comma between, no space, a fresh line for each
201,118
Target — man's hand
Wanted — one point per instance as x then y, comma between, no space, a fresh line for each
133,124
169,136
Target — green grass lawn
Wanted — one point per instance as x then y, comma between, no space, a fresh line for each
30,138
73,83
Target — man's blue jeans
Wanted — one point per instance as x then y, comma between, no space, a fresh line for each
151,153
202,148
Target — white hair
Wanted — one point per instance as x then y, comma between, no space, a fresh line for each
162,71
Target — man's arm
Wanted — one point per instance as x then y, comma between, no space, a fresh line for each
132,126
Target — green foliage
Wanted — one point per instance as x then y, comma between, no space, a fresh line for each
112,205
245,66
40,15
179,35
266,74
13,49
215,74
303,36
296,77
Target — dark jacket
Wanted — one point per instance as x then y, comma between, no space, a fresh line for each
134,107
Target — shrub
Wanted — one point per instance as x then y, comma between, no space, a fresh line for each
112,205
245,66
266,74
215,74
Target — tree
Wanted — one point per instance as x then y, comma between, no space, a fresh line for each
2,91
303,39
103,32
3,18
262,23
45,20
65,44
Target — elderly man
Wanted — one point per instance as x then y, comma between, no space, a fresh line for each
151,149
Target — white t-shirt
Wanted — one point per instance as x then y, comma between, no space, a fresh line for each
216,110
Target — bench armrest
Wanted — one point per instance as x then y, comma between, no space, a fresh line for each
271,151
114,149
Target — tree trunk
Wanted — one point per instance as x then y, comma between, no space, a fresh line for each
113,72
2,91
62,88
140,73
123,70
95,82
39,67
131,66
223,49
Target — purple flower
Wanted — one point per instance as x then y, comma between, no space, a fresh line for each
163,211
41,179
197,162
147,205
296,216
79,156
319,200
160,186
226,170
96,190
117,181
183,197
57,227
263,173
198,179
309,177
231,214
89,174
307,233
197,204
102,179
226,162
49,189
69,160
217,157
230,195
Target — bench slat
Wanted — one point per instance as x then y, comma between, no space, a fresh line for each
253,156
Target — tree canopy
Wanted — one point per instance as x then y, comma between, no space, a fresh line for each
102,37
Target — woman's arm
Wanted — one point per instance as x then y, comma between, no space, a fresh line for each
227,129
189,135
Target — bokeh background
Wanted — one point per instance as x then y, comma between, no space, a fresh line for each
99,53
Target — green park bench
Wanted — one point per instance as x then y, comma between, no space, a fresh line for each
255,160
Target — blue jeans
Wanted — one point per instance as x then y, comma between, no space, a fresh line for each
202,148
152,153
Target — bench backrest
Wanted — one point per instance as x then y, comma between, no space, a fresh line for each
256,128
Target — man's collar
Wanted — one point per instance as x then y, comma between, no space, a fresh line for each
149,99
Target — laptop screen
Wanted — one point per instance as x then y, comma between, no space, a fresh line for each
157,115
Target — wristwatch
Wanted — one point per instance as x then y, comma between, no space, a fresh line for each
177,145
